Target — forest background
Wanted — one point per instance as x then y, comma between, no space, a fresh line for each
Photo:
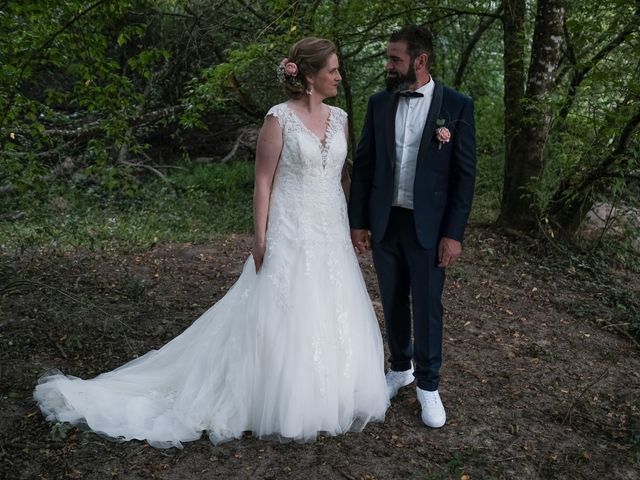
129,125
134,106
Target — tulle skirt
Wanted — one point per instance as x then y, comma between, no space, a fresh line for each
287,353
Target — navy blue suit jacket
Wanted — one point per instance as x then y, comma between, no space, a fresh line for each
444,177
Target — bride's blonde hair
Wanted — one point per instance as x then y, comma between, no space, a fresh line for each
310,54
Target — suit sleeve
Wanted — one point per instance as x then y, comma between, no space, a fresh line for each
362,175
463,175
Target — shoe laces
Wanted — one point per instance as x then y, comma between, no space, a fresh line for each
430,397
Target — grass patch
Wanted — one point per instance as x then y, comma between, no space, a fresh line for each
486,200
205,201
208,200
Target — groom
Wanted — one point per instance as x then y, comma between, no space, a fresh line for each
411,191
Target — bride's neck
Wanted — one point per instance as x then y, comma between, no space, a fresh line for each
309,103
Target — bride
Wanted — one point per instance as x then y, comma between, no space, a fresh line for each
293,349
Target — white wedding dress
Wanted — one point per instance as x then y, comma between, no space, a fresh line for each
287,353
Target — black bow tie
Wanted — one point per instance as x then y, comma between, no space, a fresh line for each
409,94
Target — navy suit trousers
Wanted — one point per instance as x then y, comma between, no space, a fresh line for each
411,282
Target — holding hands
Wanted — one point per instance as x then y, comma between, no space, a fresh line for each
361,240
448,249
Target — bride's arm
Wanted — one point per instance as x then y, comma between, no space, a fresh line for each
267,154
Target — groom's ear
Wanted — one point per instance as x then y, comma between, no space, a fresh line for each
420,61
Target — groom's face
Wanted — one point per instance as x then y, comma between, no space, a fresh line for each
400,71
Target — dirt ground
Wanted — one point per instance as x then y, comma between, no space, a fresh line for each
532,390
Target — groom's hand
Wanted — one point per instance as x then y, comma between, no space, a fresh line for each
448,251
361,240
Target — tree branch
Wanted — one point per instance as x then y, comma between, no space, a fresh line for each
567,210
243,101
94,127
579,74
233,151
484,25
247,6
458,11
50,40
47,43
162,176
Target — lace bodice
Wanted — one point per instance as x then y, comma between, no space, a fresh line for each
307,200
307,210
300,143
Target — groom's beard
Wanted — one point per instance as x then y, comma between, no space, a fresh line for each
397,82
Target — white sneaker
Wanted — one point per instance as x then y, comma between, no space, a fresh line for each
433,414
397,380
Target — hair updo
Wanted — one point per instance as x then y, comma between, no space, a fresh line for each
418,39
310,55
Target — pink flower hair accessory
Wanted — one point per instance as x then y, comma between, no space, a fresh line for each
290,68
288,72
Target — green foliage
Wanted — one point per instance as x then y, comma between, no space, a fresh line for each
613,303
66,68
78,82
217,87
603,104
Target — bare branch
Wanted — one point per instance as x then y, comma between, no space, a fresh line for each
233,151
94,127
162,176
458,11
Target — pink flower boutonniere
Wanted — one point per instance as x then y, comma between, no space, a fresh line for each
443,135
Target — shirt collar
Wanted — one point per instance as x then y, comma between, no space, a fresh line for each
427,88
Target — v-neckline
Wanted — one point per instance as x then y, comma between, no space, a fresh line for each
323,141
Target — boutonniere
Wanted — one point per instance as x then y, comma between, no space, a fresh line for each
442,133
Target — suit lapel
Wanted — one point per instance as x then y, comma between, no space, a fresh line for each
391,129
430,125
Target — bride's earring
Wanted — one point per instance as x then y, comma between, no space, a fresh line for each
309,90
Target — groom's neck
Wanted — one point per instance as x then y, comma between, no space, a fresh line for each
422,78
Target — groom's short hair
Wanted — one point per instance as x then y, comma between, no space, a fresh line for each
419,40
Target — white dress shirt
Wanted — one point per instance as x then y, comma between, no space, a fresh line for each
411,117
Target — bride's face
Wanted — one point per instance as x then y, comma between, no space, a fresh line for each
325,82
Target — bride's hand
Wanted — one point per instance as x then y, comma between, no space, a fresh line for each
258,253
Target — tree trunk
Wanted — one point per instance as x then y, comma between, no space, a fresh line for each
348,98
528,126
514,81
